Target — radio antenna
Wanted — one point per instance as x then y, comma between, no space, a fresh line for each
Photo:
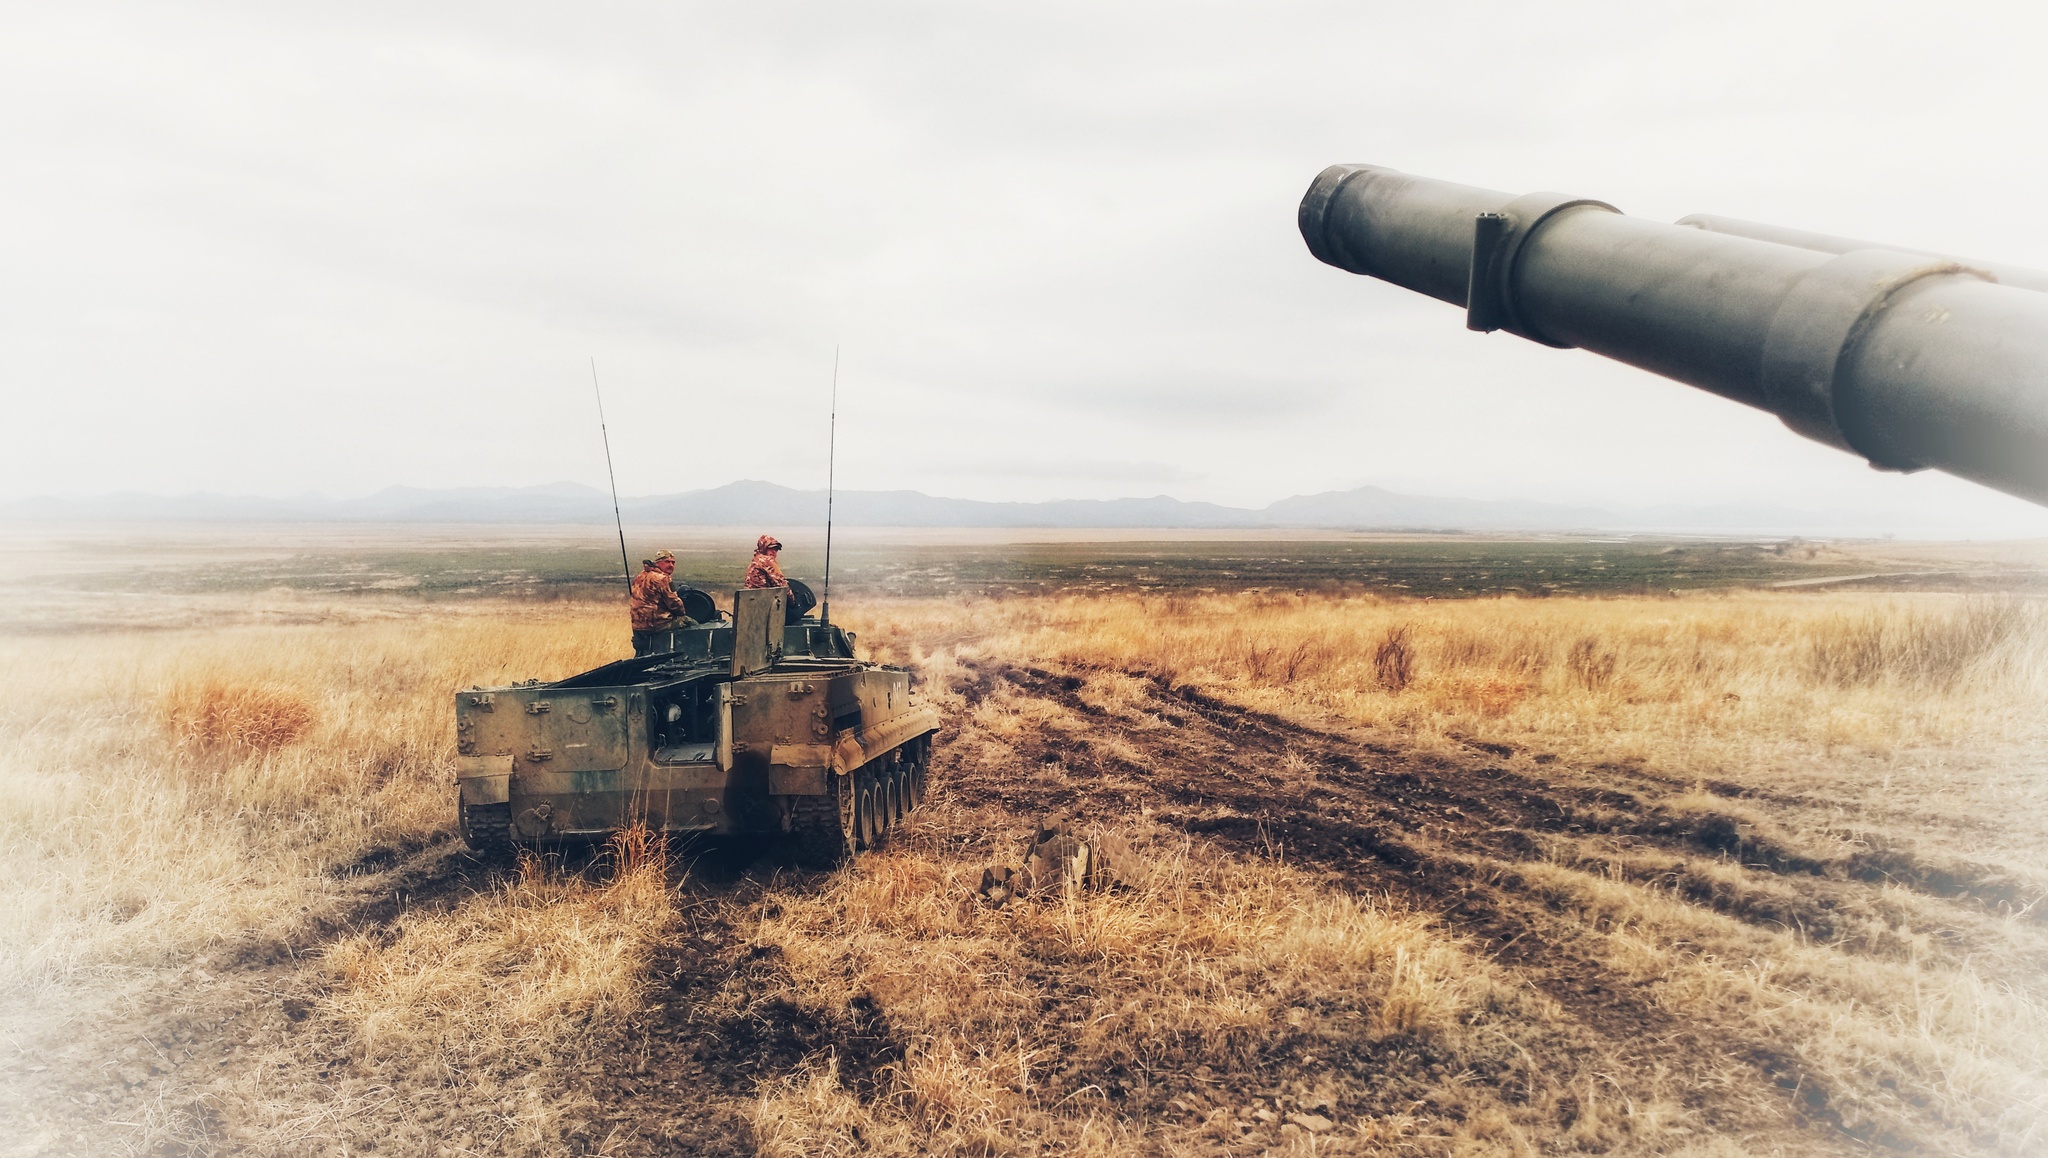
613,477
831,477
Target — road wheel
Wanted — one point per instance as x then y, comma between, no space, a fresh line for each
865,810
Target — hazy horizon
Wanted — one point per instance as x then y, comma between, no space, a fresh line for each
750,501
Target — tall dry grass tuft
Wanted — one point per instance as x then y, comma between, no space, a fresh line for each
633,862
1393,661
214,715
1920,648
1590,664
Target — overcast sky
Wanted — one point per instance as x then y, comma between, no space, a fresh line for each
270,249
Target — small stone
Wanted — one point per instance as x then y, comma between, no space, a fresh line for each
1265,1115
1313,1123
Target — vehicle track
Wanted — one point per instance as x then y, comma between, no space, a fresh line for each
684,1076
1443,831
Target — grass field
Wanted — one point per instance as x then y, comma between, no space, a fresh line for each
1591,868
42,568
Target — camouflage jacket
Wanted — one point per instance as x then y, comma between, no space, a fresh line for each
764,571
654,604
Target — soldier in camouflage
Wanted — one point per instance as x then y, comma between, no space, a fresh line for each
765,570
654,604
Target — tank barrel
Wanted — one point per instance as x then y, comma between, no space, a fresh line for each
2006,274
1911,360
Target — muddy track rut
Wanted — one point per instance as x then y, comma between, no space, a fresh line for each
1447,831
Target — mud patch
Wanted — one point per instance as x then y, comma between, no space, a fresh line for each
1442,831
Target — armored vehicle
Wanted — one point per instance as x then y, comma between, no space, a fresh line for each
764,723
1907,358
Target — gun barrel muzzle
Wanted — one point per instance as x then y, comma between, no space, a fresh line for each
1912,360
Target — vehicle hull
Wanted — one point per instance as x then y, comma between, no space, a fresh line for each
688,749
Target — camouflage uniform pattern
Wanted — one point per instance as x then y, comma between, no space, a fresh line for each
765,570
654,604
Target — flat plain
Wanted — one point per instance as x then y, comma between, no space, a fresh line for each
1461,845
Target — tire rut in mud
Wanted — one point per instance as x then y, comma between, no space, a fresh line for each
1440,831
687,1072
670,1083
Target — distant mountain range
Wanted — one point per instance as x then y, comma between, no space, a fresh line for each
762,504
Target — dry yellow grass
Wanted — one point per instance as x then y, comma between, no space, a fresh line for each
1877,734
212,716
1191,974
200,818
451,1029
1733,686
139,863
